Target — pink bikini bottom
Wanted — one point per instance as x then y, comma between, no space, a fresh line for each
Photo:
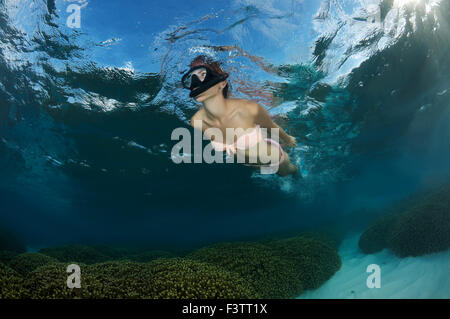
246,141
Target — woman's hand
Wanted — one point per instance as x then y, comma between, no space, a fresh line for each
290,141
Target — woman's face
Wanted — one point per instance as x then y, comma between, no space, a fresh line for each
211,92
200,73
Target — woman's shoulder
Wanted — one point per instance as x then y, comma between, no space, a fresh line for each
198,116
243,103
247,107
237,101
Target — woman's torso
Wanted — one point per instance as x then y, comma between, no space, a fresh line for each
237,117
245,139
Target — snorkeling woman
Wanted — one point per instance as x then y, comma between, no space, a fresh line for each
207,82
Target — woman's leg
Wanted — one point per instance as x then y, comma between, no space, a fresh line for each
274,151
287,168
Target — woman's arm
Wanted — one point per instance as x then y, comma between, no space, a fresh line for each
263,118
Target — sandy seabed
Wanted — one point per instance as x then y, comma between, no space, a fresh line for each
412,277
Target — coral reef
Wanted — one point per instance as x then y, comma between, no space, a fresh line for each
50,282
374,238
424,229
420,228
11,284
268,273
271,268
121,279
6,256
181,278
102,253
76,253
150,255
315,260
176,278
27,262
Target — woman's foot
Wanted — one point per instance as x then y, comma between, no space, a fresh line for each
290,169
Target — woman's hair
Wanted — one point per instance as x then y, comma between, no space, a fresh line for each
213,65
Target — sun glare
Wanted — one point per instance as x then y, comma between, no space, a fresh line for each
400,3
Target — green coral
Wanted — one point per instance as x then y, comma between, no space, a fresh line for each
150,255
6,256
315,260
167,278
160,279
420,227
277,269
50,282
11,284
27,262
102,253
181,278
122,279
107,280
424,229
76,253
374,238
269,274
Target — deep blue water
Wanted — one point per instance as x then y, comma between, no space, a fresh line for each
86,115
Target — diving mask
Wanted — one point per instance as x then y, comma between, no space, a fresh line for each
200,78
